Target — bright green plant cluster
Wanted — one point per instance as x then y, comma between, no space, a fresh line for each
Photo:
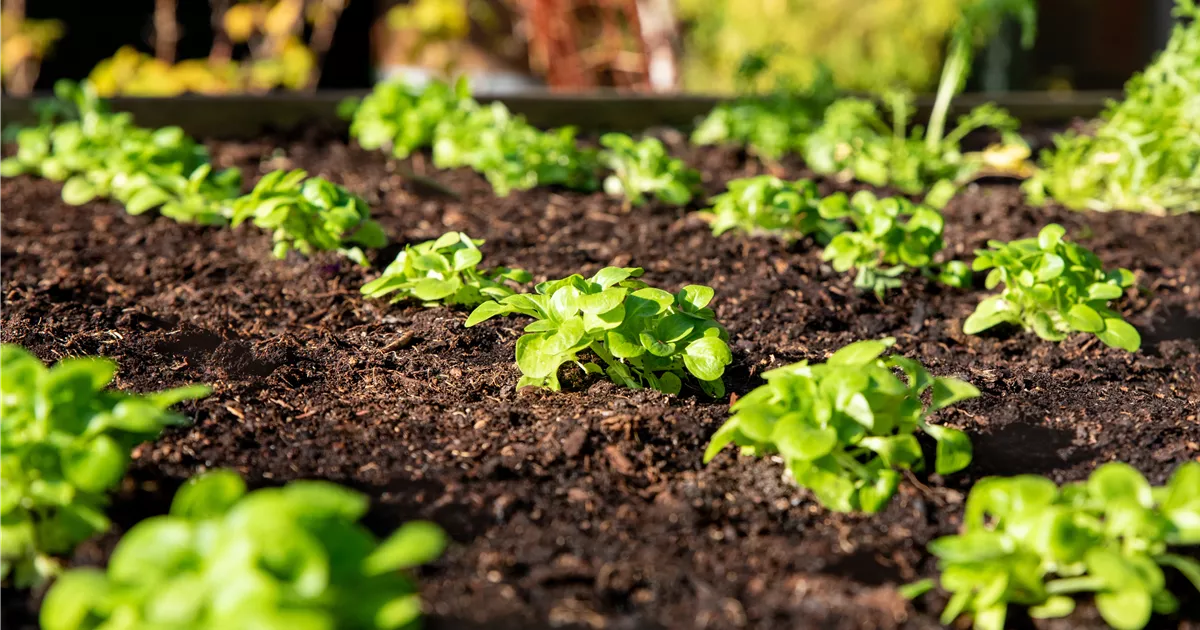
309,214
64,444
643,167
1026,541
509,152
397,118
845,427
1144,154
97,153
854,141
443,271
290,557
512,154
769,126
1053,287
646,337
767,204
891,236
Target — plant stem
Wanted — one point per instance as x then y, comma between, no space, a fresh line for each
952,75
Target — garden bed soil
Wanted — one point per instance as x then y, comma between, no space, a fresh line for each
590,507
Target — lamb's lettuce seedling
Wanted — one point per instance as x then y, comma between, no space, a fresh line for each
1053,287
645,337
767,204
1144,153
100,154
310,215
402,118
644,167
855,142
64,445
845,427
769,126
443,271
289,557
1026,541
891,236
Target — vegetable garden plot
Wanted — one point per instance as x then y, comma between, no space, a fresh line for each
591,506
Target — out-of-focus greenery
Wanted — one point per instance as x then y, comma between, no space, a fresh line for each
867,44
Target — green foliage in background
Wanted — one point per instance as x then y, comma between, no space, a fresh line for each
290,557
769,205
64,445
867,44
642,168
1144,155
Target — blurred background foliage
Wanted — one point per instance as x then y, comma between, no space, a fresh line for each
867,44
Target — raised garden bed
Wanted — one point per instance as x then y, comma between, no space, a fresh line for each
588,507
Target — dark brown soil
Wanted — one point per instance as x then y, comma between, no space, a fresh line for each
588,508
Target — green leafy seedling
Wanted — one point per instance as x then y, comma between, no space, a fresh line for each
844,428
65,442
289,557
1053,287
646,337
644,167
891,236
310,215
443,271
402,118
1025,541
769,205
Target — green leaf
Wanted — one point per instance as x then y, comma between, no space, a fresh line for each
1054,607
797,439
861,352
1116,481
414,544
947,391
96,466
486,311
916,589
707,357
70,602
1118,334
696,296
1084,318
209,495
875,495
1125,610
1051,236
953,448
1104,291
77,191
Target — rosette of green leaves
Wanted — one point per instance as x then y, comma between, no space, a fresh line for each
645,337
767,204
289,557
845,427
1026,541
855,142
443,271
64,444
309,215
511,153
202,196
1053,287
890,236
1144,153
402,118
644,167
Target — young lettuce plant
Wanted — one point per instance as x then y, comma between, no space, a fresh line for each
769,205
646,337
402,118
511,153
855,142
289,557
1027,542
845,427
443,271
891,235
769,126
64,444
1052,287
1144,154
310,215
644,167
